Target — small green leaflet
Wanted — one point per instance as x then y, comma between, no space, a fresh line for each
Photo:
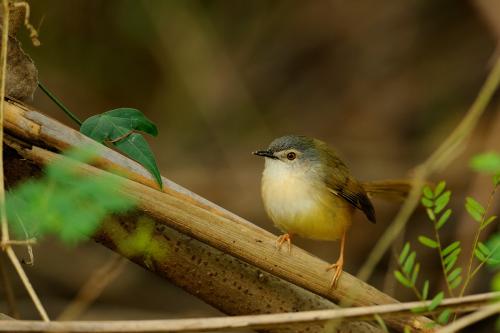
475,209
428,242
436,301
450,248
439,188
402,279
487,162
118,127
441,202
444,316
443,219
404,253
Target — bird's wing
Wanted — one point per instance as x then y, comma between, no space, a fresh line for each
340,183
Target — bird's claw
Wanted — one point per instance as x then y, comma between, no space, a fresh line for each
284,238
338,266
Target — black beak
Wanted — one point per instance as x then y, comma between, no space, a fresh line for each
265,153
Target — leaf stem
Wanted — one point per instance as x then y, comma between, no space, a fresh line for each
59,104
441,259
476,240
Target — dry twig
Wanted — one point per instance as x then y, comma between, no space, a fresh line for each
94,286
467,303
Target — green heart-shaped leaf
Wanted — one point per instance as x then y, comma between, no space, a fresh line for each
118,127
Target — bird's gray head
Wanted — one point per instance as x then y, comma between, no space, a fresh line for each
292,150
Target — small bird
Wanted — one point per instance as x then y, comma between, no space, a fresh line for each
308,191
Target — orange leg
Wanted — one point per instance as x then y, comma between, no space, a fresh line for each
339,264
284,238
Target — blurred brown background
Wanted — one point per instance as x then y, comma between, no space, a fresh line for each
383,82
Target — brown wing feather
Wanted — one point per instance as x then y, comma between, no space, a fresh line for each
341,183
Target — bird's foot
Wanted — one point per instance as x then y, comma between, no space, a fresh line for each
338,266
284,238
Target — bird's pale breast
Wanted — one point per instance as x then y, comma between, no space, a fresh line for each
301,205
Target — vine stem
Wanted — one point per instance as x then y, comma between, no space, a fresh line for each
440,250
59,104
470,274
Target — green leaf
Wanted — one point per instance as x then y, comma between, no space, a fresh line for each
118,127
113,124
444,317
404,253
436,301
483,248
138,149
428,192
428,242
414,274
479,255
408,265
496,180
475,209
493,244
450,248
454,274
427,202
442,201
430,214
425,290
487,162
439,188
65,202
452,256
495,283
443,219
488,221
456,282
402,279
450,263
381,323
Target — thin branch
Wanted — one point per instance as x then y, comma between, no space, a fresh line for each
468,320
439,159
477,235
27,24
27,284
94,286
3,73
462,304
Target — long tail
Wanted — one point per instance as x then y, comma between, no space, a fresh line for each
388,189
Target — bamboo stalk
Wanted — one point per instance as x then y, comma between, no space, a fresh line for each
245,241
227,283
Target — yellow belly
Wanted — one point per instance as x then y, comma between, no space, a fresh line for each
309,210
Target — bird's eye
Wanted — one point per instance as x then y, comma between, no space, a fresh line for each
291,156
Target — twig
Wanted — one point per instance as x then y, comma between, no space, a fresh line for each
468,320
462,304
477,235
440,158
27,284
3,73
94,286
27,24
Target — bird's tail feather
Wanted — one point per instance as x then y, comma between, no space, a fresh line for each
388,189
